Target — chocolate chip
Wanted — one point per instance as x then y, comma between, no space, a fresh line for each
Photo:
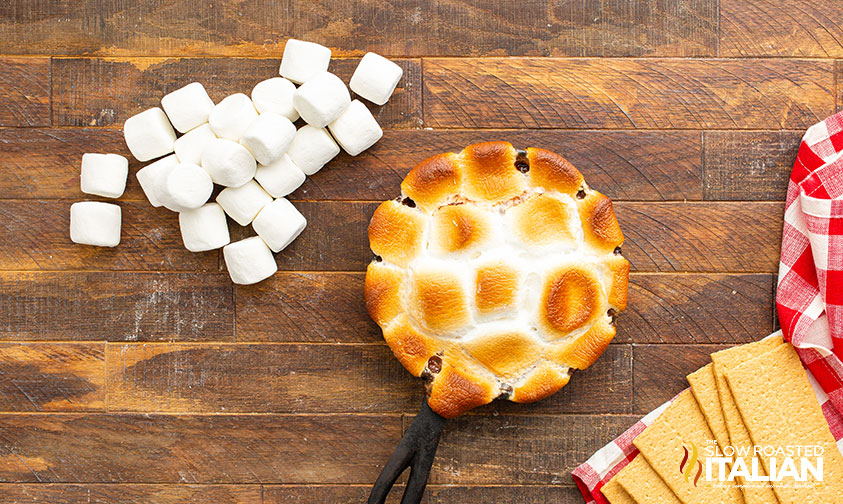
581,194
614,314
409,202
506,391
434,364
617,251
522,164
378,258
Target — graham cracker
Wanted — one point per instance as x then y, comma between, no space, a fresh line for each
643,484
615,493
738,436
682,427
704,388
779,408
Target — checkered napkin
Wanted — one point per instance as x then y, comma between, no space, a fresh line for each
809,298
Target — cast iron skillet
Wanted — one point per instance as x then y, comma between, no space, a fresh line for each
416,451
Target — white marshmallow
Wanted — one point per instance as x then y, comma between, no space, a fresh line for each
281,177
279,223
302,60
151,176
268,137
356,129
243,203
185,187
104,174
312,148
375,78
275,95
190,145
204,228
95,223
249,261
230,117
188,107
321,99
228,163
149,134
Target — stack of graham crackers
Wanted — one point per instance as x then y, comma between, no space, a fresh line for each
755,394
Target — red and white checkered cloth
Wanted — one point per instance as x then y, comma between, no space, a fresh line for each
809,297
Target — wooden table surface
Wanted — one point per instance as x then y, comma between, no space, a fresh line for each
142,375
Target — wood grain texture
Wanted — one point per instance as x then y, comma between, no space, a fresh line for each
681,237
107,91
103,448
273,378
626,93
663,308
625,165
660,370
434,494
697,308
258,378
553,494
24,91
62,493
507,449
116,306
838,80
34,235
748,165
702,237
52,376
305,307
798,28
394,27
42,163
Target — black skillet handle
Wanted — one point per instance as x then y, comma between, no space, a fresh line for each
416,451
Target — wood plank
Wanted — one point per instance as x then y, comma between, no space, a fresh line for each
305,307
52,376
697,308
260,28
663,308
660,370
263,378
710,237
838,84
107,448
106,91
25,91
748,165
800,28
626,165
554,494
34,236
65,493
626,93
291,378
116,306
713,237
434,494
45,162
335,494
520,450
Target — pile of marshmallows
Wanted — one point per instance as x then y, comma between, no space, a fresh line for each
248,145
